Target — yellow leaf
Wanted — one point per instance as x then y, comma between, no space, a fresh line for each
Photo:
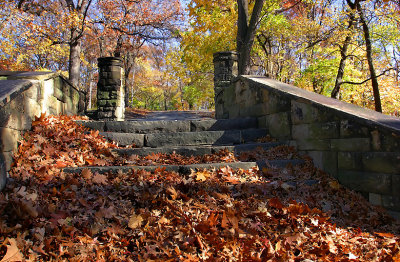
202,176
135,221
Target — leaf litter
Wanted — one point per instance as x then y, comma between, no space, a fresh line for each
297,213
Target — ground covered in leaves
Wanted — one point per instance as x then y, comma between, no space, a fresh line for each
291,214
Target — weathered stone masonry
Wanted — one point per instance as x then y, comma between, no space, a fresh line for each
24,95
360,147
225,69
110,91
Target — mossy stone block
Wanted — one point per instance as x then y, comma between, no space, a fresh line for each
349,161
313,144
325,160
349,128
303,112
315,131
279,125
391,202
382,162
351,144
366,182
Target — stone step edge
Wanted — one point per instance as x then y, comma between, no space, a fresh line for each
183,169
197,149
186,169
157,126
228,137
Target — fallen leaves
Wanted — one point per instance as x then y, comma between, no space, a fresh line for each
135,221
218,215
176,159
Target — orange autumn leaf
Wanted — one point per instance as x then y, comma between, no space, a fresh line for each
61,164
275,203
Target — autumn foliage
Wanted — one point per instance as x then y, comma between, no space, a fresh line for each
288,214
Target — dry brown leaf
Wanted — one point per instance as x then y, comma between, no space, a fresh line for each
100,179
13,252
135,221
87,174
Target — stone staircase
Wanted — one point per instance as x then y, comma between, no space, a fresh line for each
186,138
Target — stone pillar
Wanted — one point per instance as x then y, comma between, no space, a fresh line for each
110,90
225,70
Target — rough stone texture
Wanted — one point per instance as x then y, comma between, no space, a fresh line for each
391,142
349,161
274,102
315,131
225,69
9,139
313,144
351,144
27,95
193,138
349,128
95,125
125,139
382,162
11,87
3,172
394,214
279,125
279,163
375,199
396,185
303,112
325,160
223,124
110,90
251,135
195,150
391,202
366,182
40,75
144,127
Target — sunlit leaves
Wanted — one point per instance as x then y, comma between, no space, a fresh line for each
223,214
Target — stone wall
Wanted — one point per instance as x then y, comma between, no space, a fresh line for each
360,147
24,95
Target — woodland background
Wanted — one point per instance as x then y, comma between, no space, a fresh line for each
325,46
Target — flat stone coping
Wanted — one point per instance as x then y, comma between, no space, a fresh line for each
10,87
349,110
40,75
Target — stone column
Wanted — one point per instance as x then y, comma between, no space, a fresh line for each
110,90
225,70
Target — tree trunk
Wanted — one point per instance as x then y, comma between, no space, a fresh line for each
90,94
368,45
243,19
246,33
74,59
342,63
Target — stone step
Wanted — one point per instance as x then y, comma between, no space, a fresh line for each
195,150
231,137
182,169
280,163
185,169
171,126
